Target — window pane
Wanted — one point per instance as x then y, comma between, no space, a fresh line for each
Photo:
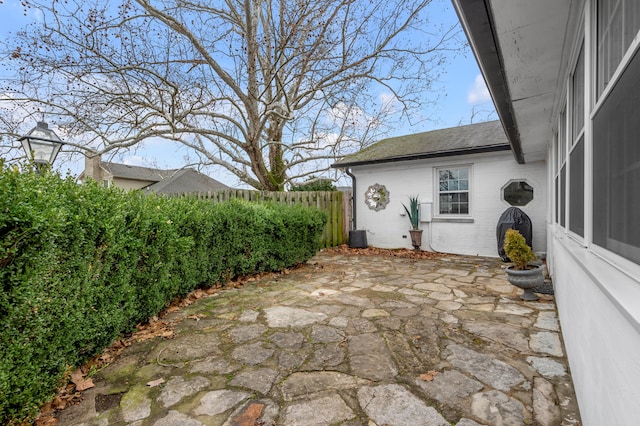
518,193
557,199
561,202
578,96
562,137
445,205
616,167
453,188
618,24
576,189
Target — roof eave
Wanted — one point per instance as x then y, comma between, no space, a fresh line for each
426,155
477,22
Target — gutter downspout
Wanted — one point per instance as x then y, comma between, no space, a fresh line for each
353,198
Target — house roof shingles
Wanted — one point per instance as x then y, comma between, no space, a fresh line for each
126,171
186,181
173,181
473,138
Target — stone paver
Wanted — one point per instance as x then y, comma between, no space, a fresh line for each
323,411
394,405
349,340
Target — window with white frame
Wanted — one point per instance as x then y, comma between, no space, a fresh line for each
616,130
453,190
561,169
617,25
576,152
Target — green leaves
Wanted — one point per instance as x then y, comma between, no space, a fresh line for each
413,212
80,265
517,250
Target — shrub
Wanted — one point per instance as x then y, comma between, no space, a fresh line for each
517,249
81,265
315,184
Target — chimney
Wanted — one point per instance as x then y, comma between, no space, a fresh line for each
92,167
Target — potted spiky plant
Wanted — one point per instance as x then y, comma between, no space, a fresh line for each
522,274
414,217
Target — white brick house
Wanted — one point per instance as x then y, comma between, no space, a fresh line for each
459,174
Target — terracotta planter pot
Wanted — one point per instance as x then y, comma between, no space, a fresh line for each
526,279
416,238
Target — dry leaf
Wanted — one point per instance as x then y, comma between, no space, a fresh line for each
46,421
195,317
154,383
59,403
81,383
429,375
198,294
47,409
85,384
250,416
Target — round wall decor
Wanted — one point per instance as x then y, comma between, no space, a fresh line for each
376,197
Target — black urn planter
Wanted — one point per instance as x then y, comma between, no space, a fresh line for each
526,279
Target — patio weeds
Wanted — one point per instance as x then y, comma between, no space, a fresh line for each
348,340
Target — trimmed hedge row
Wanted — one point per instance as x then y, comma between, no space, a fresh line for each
80,265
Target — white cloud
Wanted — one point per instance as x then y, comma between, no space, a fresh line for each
389,103
135,160
479,92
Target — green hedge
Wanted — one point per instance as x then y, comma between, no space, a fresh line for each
80,265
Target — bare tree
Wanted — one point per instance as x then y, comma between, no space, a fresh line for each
271,90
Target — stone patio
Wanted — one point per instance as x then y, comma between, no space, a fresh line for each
348,340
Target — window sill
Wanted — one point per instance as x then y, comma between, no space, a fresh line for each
453,219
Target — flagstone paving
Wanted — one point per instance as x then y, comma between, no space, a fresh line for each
348,340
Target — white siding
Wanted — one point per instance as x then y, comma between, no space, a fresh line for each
599,309
489,173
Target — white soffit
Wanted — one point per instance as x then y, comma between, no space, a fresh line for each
535,49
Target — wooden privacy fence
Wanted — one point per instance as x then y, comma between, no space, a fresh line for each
336,204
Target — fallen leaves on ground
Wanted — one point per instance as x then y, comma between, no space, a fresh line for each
196,317
68,396
82,383
429,375
344,249
250,416
154,328
154,383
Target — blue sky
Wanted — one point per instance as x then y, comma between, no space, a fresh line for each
463,93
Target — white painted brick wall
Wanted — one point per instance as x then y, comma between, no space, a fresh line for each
490,172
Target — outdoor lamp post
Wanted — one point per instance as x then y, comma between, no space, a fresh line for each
41,145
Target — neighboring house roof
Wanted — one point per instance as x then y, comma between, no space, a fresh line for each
173,181
470,139
186,181
125,171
